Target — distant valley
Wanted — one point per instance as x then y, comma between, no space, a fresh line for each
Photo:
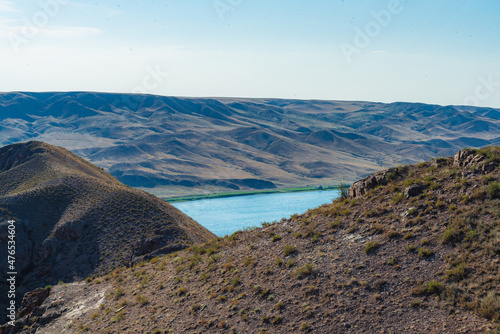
181,146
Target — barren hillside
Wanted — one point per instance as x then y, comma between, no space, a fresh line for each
413,249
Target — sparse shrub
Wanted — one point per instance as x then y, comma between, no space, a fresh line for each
289,249
398,198
249,262
424,242
119,292
290,263
304,271
392,234
456,274
415,303
119,317
279,305
352,229
181,291
408,235
432,287
304,326
236,281
336,224
279,262
276,237
408,182
411,248
425,252
379,284
490,306
195,308
371,246
487,179
141,299
378,228
451,235
316,236
493,190
277,320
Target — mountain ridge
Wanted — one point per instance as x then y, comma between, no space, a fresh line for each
73,219
180,146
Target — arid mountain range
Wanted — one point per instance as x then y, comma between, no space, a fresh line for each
73,220
413,249
180,146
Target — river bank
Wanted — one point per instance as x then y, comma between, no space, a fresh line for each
247,193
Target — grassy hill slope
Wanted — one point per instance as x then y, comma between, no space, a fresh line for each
413,249
73,219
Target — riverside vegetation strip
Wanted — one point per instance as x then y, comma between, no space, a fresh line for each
385,259
247,193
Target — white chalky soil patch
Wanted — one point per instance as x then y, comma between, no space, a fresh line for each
69,301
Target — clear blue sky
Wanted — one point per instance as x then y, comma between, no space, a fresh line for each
441,51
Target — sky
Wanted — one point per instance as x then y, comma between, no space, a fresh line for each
440,51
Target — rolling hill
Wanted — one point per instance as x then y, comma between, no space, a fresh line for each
174,146
73,219
412,249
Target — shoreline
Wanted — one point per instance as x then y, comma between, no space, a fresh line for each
246,193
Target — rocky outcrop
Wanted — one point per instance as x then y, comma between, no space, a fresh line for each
361,187
470,159
467,158
32,300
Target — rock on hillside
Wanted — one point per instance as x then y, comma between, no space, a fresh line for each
381,262
73,220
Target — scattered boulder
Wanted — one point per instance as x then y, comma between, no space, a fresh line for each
409,212
439,162
413,190
361,187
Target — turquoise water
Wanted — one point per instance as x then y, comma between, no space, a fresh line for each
223,216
